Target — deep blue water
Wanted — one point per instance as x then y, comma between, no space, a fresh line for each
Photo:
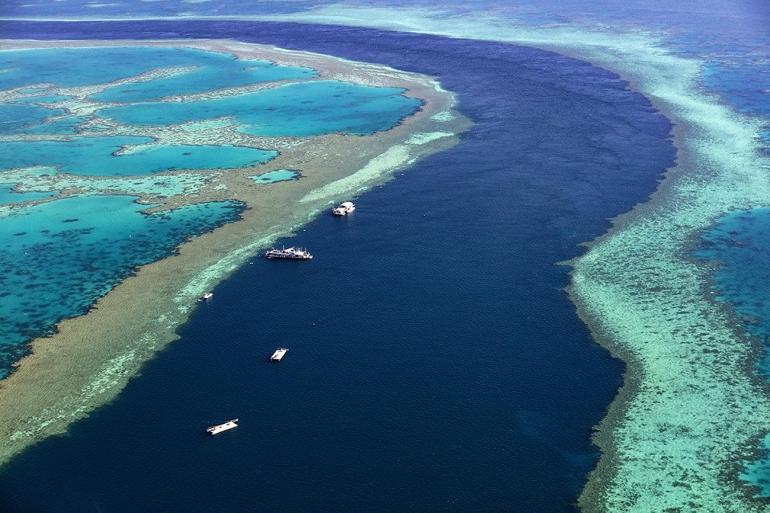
15,118
8,195
435,362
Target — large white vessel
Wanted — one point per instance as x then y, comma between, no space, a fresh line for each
289,253
278,354
215,430
344,208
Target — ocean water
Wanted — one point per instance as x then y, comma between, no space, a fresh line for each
60,256
314,108
66,125
213,70
85,66
435,362
730,36
95,156
67,231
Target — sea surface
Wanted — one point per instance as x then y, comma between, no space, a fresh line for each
435,362
58,257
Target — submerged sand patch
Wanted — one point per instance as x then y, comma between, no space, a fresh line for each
91,357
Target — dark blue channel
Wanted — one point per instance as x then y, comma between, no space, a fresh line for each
435,362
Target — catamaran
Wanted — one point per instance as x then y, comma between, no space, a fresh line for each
215,430
291,253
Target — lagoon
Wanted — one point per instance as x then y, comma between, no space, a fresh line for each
61,256
100,156
306,109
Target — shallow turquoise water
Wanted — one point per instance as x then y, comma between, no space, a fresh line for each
492,409
17,117
44,98
740,245
93,156
63,126
215,71
279,175
58,257
293,110
7,195
69,67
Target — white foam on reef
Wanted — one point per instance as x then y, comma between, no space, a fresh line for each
693,407
426,137
393,158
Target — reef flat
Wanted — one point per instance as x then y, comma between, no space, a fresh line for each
91,357
692,408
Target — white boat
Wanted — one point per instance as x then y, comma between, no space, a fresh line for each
344,208
215,430
278,354
291,253
207,296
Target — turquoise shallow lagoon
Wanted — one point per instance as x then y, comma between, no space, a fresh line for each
304,109
67,125
60,256
16,117
7,195
85,66
739,244
95,156
47,98
213,71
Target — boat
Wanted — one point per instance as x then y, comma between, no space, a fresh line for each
344,208
278,354
206,296
215,430
291,253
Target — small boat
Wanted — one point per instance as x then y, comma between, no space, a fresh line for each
278,354
291,253
215,430
206,296
344,208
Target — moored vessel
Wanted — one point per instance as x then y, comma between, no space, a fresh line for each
344,208
226,426
206,296
291,253
278,354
